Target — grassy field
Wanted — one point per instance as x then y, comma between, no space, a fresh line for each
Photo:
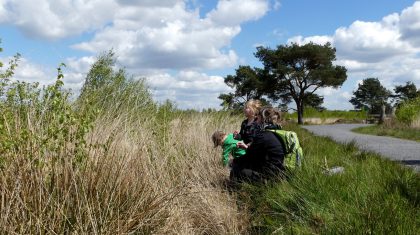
161,175
313,116
398,132
143,177
115,162
394,128
371,195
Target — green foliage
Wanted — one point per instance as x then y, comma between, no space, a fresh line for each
41,123
409,111
370,95
291,72
314,101
395,130
298,71
311,112
107,91
8,73
247,84
407,92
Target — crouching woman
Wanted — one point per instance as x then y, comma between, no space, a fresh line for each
265,156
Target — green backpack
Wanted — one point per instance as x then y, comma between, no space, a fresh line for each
293,150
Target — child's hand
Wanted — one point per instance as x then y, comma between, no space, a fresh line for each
242,145
235,134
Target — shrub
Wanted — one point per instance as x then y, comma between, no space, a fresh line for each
409,111
40,123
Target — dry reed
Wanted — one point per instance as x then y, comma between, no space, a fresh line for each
136,179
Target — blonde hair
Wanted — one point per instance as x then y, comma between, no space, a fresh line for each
270,115
217,138
254,105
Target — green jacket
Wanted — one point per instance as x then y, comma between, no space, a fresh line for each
230,148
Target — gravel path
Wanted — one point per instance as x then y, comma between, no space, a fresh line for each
405,151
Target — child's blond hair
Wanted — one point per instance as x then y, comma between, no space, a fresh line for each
254,105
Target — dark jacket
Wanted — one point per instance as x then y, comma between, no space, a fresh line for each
265,155
248,131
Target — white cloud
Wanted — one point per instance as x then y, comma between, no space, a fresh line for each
353,65
234,12
80,65
74,72
410,24
172,37
147,3
326,91
320,40
170,44
57,19
339,100
370,42
30,72
150,38
388,50
189,89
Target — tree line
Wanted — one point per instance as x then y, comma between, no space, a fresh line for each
371,95
293,73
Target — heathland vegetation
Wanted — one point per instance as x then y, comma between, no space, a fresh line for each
405,124
113,161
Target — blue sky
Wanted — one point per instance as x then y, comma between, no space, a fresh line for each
184,48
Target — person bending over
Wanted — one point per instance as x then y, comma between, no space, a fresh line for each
264,157
229,146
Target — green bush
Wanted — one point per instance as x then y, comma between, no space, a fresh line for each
113,93
40,123
409,111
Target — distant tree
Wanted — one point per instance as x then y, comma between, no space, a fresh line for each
313,100
102,74
106,86
298,71
407,92
246,84
370,95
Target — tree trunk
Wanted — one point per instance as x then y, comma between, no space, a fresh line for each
393,112
299,105
382,117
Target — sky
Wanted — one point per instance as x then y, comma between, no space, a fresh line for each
184,48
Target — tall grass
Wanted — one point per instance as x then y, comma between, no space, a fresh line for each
130,182
117,165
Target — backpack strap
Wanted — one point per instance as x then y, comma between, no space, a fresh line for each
282,141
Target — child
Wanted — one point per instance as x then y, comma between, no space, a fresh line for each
248,126
229,146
